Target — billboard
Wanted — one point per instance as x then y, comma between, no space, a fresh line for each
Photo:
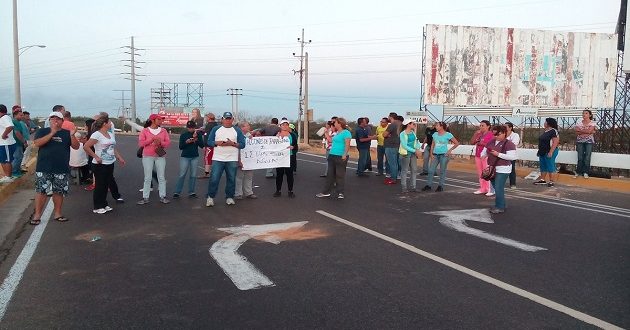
173,118
468,66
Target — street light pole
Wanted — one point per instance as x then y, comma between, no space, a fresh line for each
16,57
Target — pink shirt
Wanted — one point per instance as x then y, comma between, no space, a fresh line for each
146,140
481,142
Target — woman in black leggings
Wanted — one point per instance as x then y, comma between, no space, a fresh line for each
285,132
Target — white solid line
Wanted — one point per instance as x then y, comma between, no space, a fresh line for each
12,280
490,280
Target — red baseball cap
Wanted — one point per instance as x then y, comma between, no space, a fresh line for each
155,116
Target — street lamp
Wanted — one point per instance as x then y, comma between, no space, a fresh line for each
16,69
25,48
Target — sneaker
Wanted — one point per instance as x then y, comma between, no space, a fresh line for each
321,195
291,194
426,188
6,179
141,189
388,176
252,196
143,201
239,197
277,194
120,200
90,187
550,184
323,175
479,192
175,196
439,188
209,202
108,208
512,187
230,201
575,175
192,195
163,200
495,210
100,211
540,182
340,196
585,175
490,194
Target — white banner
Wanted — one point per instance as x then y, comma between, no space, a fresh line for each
266,152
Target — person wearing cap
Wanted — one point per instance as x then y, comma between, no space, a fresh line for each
409,153
154,140
282,171
226,141
7,144
53,169
189,143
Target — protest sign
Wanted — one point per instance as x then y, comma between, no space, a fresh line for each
266,152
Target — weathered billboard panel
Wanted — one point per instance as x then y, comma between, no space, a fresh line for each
514,67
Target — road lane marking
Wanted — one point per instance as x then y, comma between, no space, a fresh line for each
456,219
485,278
605,209
242,273
12,280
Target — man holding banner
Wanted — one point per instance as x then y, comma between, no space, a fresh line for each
226,141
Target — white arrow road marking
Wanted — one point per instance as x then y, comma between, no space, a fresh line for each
457,220
244,275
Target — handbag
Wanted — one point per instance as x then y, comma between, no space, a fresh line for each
139,152
159,150
490,171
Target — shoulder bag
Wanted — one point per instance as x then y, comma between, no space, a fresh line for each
490,171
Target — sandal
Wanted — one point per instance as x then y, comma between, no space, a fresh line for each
34,222
61,219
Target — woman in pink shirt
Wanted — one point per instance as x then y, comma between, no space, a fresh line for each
480,139
154,140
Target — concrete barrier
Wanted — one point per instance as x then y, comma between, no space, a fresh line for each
598,159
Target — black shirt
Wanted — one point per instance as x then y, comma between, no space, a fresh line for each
429,133
54,156
544,142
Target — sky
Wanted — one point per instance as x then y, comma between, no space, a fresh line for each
365,57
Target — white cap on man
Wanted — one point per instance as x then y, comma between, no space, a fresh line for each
56,114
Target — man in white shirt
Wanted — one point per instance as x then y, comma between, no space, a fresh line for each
7,144
226,140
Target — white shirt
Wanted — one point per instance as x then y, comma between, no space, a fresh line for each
515,138
104,148
78,157
225,153
6,121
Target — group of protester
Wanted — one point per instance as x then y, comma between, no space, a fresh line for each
94,153
15,142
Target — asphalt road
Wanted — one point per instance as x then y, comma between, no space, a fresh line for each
378,261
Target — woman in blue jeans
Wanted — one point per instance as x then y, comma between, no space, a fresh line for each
547,152
500,152
585,139
189,144
440,154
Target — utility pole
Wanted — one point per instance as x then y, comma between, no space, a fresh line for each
123,110
301,72
132,65
235,92
305,138
16,57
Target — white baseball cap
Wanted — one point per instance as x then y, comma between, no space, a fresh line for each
56,114
407,121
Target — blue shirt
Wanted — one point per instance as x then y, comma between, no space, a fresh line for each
441,142
361,134
339,143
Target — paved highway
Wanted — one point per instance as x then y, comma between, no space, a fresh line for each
558,258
